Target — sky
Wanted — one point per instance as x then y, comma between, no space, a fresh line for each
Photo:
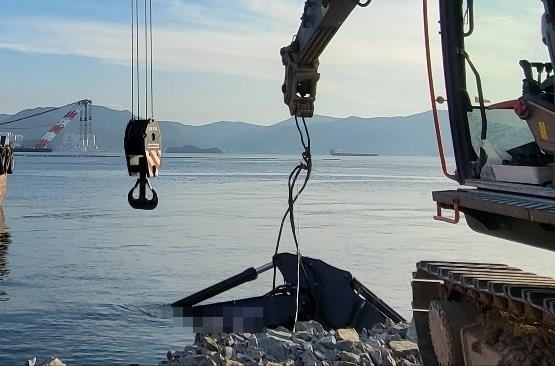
219,60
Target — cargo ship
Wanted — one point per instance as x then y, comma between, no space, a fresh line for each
194,150
334,152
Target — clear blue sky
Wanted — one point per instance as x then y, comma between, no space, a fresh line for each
219,60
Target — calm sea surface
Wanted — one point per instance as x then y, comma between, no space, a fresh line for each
86,278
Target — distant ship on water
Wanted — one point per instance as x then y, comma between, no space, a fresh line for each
31,149
340,152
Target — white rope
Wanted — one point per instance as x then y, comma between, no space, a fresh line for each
298,261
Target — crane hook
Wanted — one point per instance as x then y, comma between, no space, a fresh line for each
142,202
143,150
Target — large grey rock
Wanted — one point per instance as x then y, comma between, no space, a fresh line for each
270,358
349,346
386,337
327,341
409,363
197,360
308,359
216,357
400,329
320,355
375,353
283,333
302,335
375,343
365,362
210,343
254,353
377,328
296,350
388,359
283,329
236,337
276,347
413,359
241,357
233,363
306,346
404,349
350,357
227,340
311,327
253,340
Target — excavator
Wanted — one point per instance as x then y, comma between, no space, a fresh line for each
464,313
472,313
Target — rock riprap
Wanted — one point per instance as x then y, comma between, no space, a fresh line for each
311,345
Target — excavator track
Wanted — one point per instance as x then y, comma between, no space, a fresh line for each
483,313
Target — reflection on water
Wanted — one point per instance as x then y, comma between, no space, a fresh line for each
4,245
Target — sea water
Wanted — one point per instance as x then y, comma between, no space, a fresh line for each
85,277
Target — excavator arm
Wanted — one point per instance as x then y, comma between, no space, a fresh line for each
320,20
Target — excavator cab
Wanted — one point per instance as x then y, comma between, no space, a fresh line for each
501,105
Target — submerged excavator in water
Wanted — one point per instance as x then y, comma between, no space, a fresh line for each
464,313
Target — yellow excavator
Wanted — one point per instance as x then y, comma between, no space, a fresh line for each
475,313
464,313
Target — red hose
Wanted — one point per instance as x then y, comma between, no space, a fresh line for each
432,94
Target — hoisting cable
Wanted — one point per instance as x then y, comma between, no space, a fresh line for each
146,61
132,59
137,60
37,114
142,142
298,264
151,78
306,165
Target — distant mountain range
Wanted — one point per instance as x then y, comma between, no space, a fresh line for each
403,135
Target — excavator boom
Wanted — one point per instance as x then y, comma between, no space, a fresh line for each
320,20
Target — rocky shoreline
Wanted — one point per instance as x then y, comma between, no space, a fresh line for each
311,345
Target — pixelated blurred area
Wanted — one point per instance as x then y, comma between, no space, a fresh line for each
247,319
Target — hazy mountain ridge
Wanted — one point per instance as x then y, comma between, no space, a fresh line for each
404,135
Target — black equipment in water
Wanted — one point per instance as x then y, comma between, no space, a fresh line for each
327,294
